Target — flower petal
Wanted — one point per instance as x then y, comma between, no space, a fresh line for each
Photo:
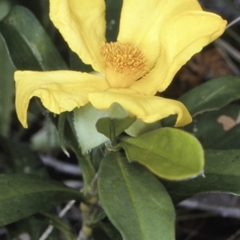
82,24
182,37
141,24
59,91
147,108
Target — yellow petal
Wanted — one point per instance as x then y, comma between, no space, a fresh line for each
82,24
182,37
59,91
147,108
141,23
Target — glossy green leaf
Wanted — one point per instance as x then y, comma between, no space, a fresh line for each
167,152
135,202
23,195
114,125
212,95
217,129
25,36
222,174
41,10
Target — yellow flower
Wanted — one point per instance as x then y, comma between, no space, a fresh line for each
156,37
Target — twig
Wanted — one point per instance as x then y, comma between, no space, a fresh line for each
233,22
47,232
67,207
195,231
61,166
229,49
77,184
3,231
224,211
61,214
235,235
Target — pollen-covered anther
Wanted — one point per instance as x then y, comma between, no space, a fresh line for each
124,59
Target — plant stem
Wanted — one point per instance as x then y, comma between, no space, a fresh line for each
89,211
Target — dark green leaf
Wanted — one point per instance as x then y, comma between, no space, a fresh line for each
134,201
97,154
7,89
76,64
167,152
212,95
217,129
105,231
28,44
222,174
23,195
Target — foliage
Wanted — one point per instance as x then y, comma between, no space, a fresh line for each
132,174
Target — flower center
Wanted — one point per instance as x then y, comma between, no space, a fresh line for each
124,64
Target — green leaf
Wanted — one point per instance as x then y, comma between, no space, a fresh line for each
5,6
212,95
114,125
139,127
85,119
61,127
76,64
105,231
222,174
97,154
135,202
68,137
167,152
25,36
217,129
114,121
7,89
229,140
23,195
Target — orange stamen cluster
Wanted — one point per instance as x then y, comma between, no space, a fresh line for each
124,59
